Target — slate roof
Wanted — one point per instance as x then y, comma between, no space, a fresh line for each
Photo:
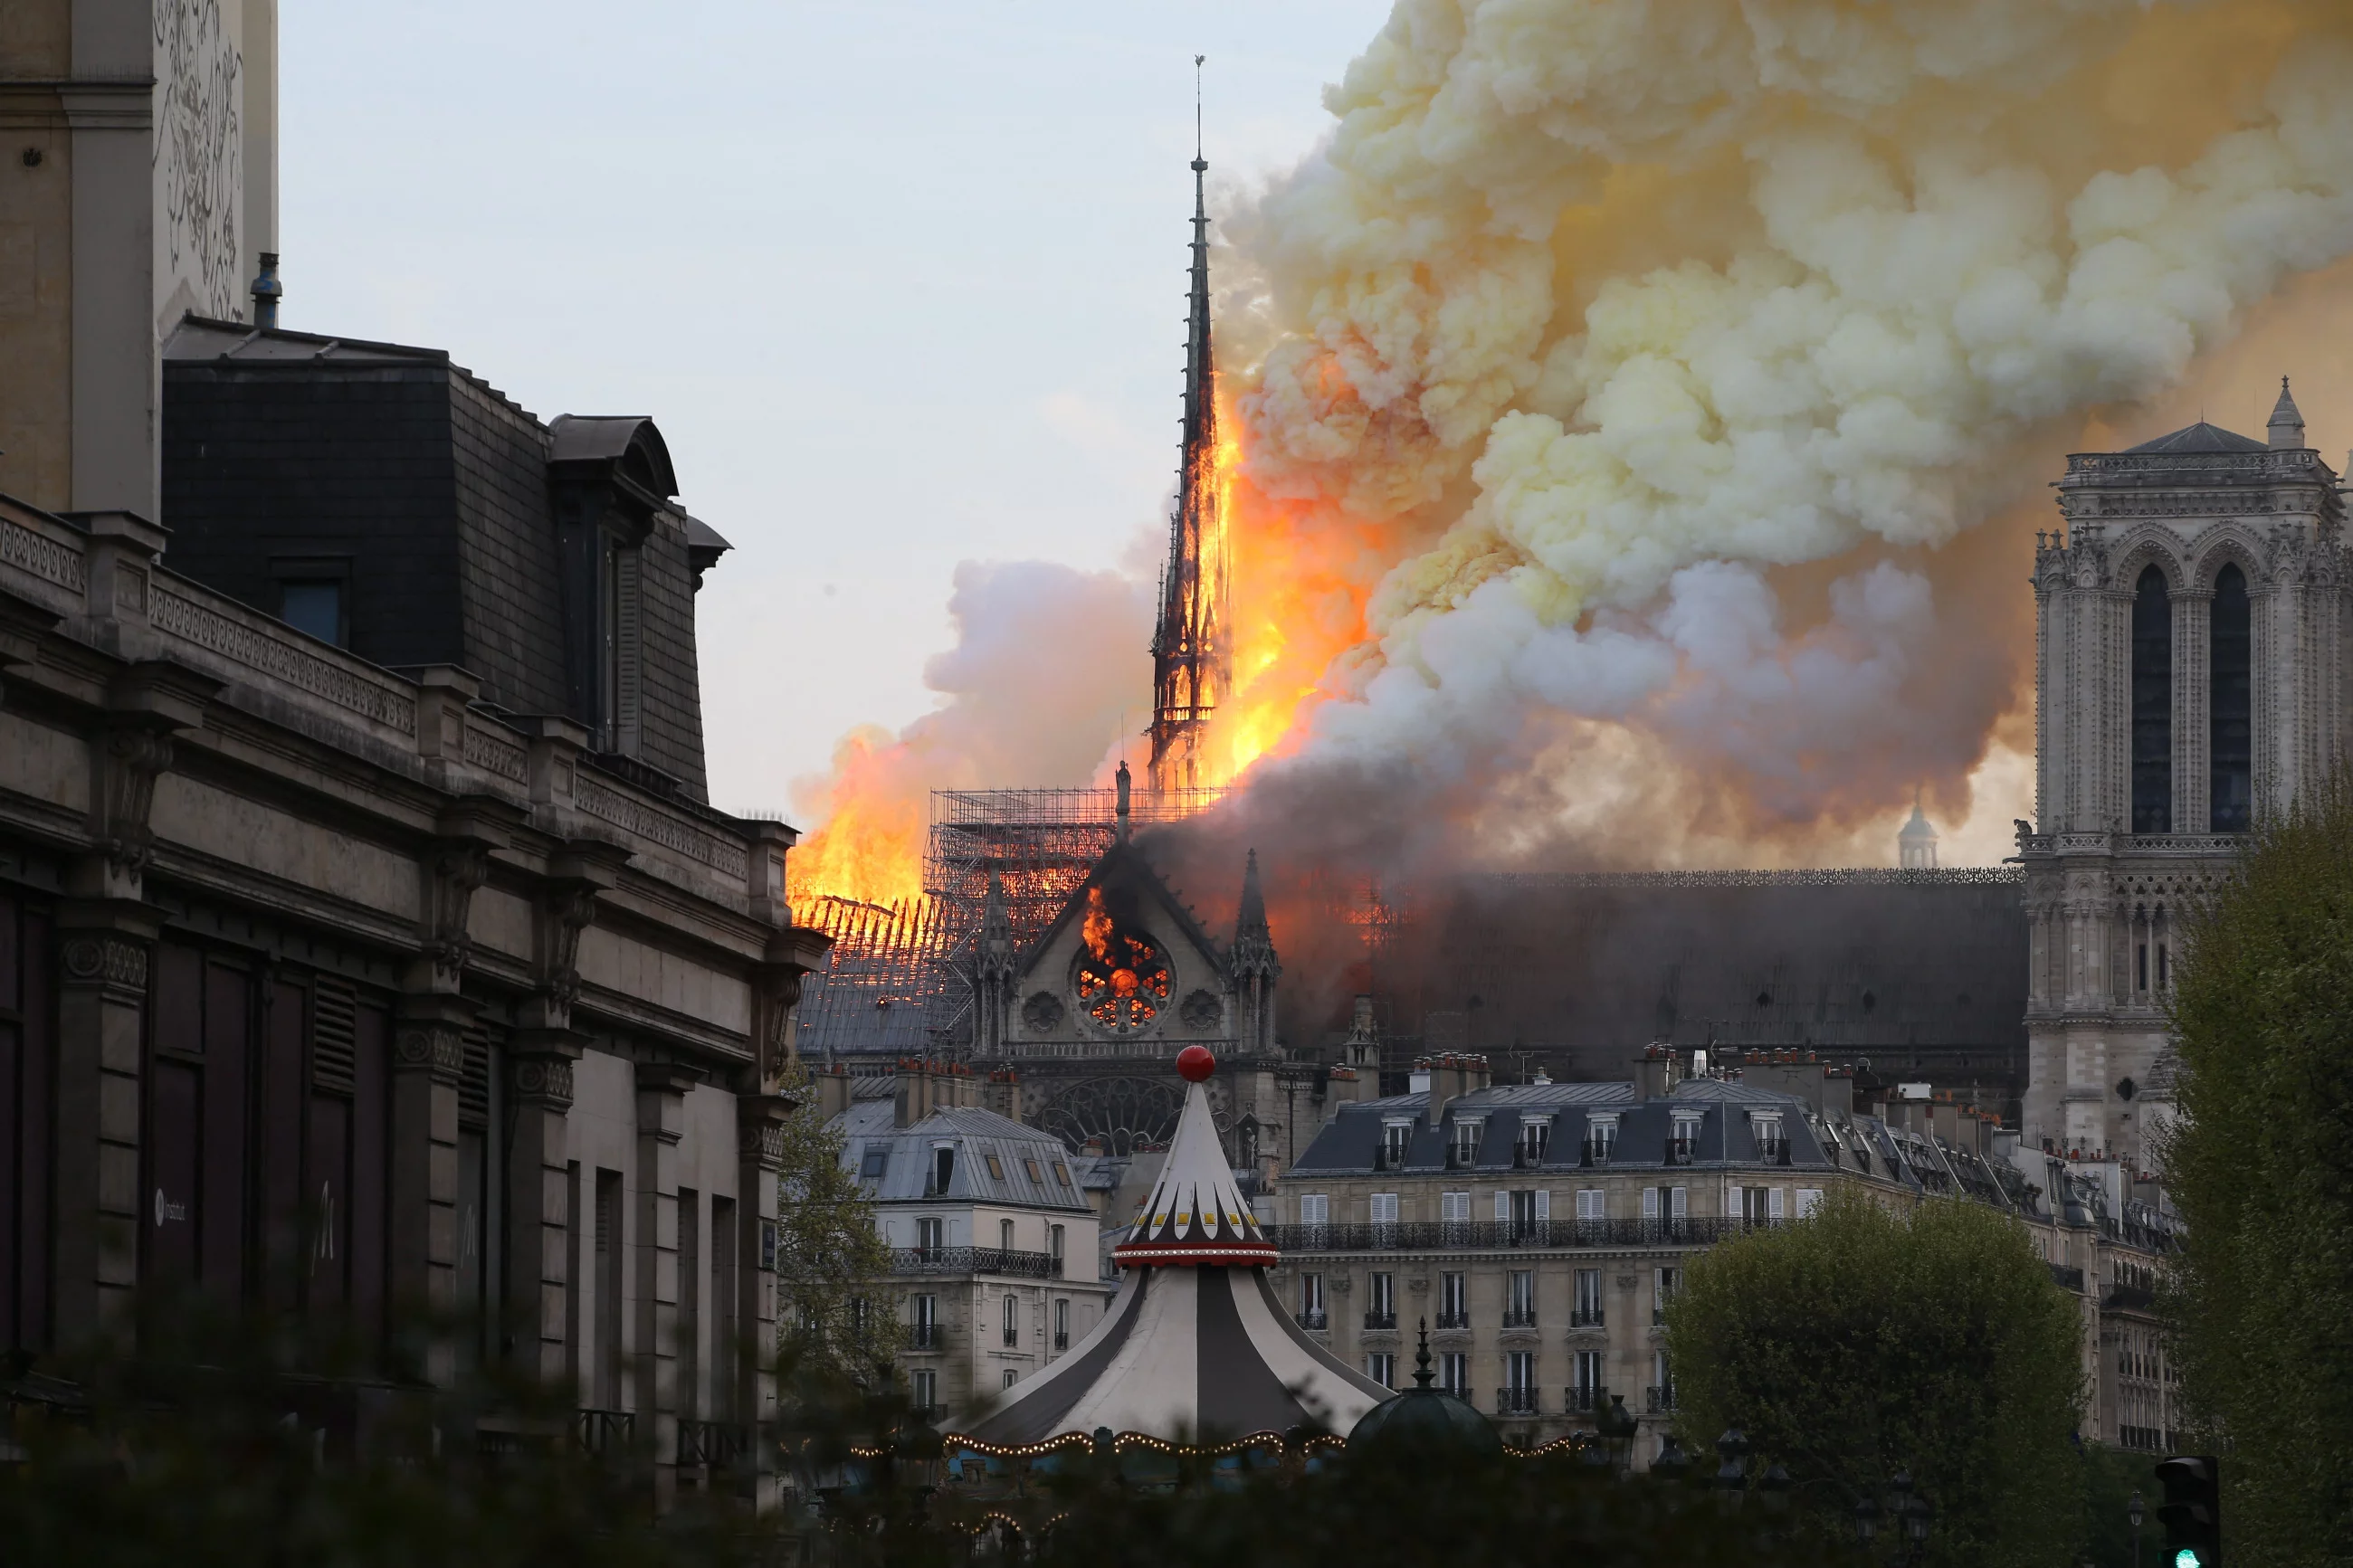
978,1136
2203,438
1351,1143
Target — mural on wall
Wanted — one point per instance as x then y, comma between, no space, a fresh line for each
199,95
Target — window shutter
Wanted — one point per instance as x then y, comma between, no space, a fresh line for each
1809,1198
1590,1201
1314,1209
1773,1203
628,655
1504,1205
334,1037
1649,1203
1385,1208
1544,1203
1681,1201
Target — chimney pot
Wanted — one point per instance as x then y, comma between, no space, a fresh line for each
267,292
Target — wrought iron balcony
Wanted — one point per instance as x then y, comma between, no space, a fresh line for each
1503,1236
971,1261
1316,1320
1380,1321
1582,1401
932,1336
1061,1340
1516,1402
1585,1317
718,1444
606,1431
1453,1320
1660,1397
1519,1317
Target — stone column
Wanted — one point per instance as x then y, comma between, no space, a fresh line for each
661,1124
428,1056
539,1219
760,1159
103,948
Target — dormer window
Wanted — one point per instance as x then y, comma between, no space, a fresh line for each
1396,1138
1600,1139
622,655
1465,1145
1682,1139
1536,1137
1766,1128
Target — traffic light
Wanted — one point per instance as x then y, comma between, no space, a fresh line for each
2192,1510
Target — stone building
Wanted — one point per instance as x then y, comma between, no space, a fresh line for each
140,183
1541,1228
339,988
2190,673
994,1267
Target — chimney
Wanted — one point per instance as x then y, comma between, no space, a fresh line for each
1654,1072
1003,1094
267,292
912,1093
1945,1117
833,1091
1452,1075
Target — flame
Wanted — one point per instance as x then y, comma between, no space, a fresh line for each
872,845
1299,578
1095,930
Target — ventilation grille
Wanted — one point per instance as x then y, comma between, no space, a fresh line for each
334,1037
474,1082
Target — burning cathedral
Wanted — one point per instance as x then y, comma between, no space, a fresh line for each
2188,640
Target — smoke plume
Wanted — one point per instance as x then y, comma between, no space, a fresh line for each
1679,347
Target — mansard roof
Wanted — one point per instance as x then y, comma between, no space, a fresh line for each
868,1128
2203,438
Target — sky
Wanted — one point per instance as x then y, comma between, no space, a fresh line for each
903,285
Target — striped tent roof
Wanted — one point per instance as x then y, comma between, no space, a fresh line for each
1195,1348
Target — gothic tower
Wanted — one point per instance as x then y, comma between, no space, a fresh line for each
1189,660
2190,673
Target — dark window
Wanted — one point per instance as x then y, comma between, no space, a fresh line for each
313,607
877,1163
2233,743
2152,706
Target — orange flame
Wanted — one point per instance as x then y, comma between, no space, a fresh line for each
872,844
1095,930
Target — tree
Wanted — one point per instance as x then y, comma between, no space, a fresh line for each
832,1264
2260,1161
1859,1342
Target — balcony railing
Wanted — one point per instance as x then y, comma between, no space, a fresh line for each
1380,1321
1453,1320
1581,1401
1585,1317
1660,1398
718,1444
1496,1236
971,1261
2134,1298
1061,1340
931,1336
1316,1320
1516,1402
2066,1278
1519,1317
606,1431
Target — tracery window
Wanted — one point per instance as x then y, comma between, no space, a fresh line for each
2152,705
1122,978
2232,739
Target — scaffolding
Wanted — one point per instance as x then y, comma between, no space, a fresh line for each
898,981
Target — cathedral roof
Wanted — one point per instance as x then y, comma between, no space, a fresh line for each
1123,864
2203,438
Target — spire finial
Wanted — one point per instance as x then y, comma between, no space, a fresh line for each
1200,165
1423,1376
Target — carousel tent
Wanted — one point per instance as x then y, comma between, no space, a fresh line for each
1195,1348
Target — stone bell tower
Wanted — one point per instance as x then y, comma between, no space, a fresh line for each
2189,675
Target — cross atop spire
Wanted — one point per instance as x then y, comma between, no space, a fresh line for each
1188,647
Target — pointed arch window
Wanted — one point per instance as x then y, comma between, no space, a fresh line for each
2231,703
2152,705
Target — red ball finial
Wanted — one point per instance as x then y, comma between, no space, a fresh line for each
1194,1064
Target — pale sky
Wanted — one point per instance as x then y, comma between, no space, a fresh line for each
901,283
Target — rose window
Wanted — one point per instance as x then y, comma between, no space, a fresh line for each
1123,979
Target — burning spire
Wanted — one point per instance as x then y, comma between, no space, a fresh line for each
1190,666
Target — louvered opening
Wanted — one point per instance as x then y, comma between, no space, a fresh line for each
334,1037
474,1082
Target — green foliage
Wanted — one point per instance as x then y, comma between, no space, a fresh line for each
208,1450
2111,1477
2260,1164
1859,1342
838,1319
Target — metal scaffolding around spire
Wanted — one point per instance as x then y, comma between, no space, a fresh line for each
1190,668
